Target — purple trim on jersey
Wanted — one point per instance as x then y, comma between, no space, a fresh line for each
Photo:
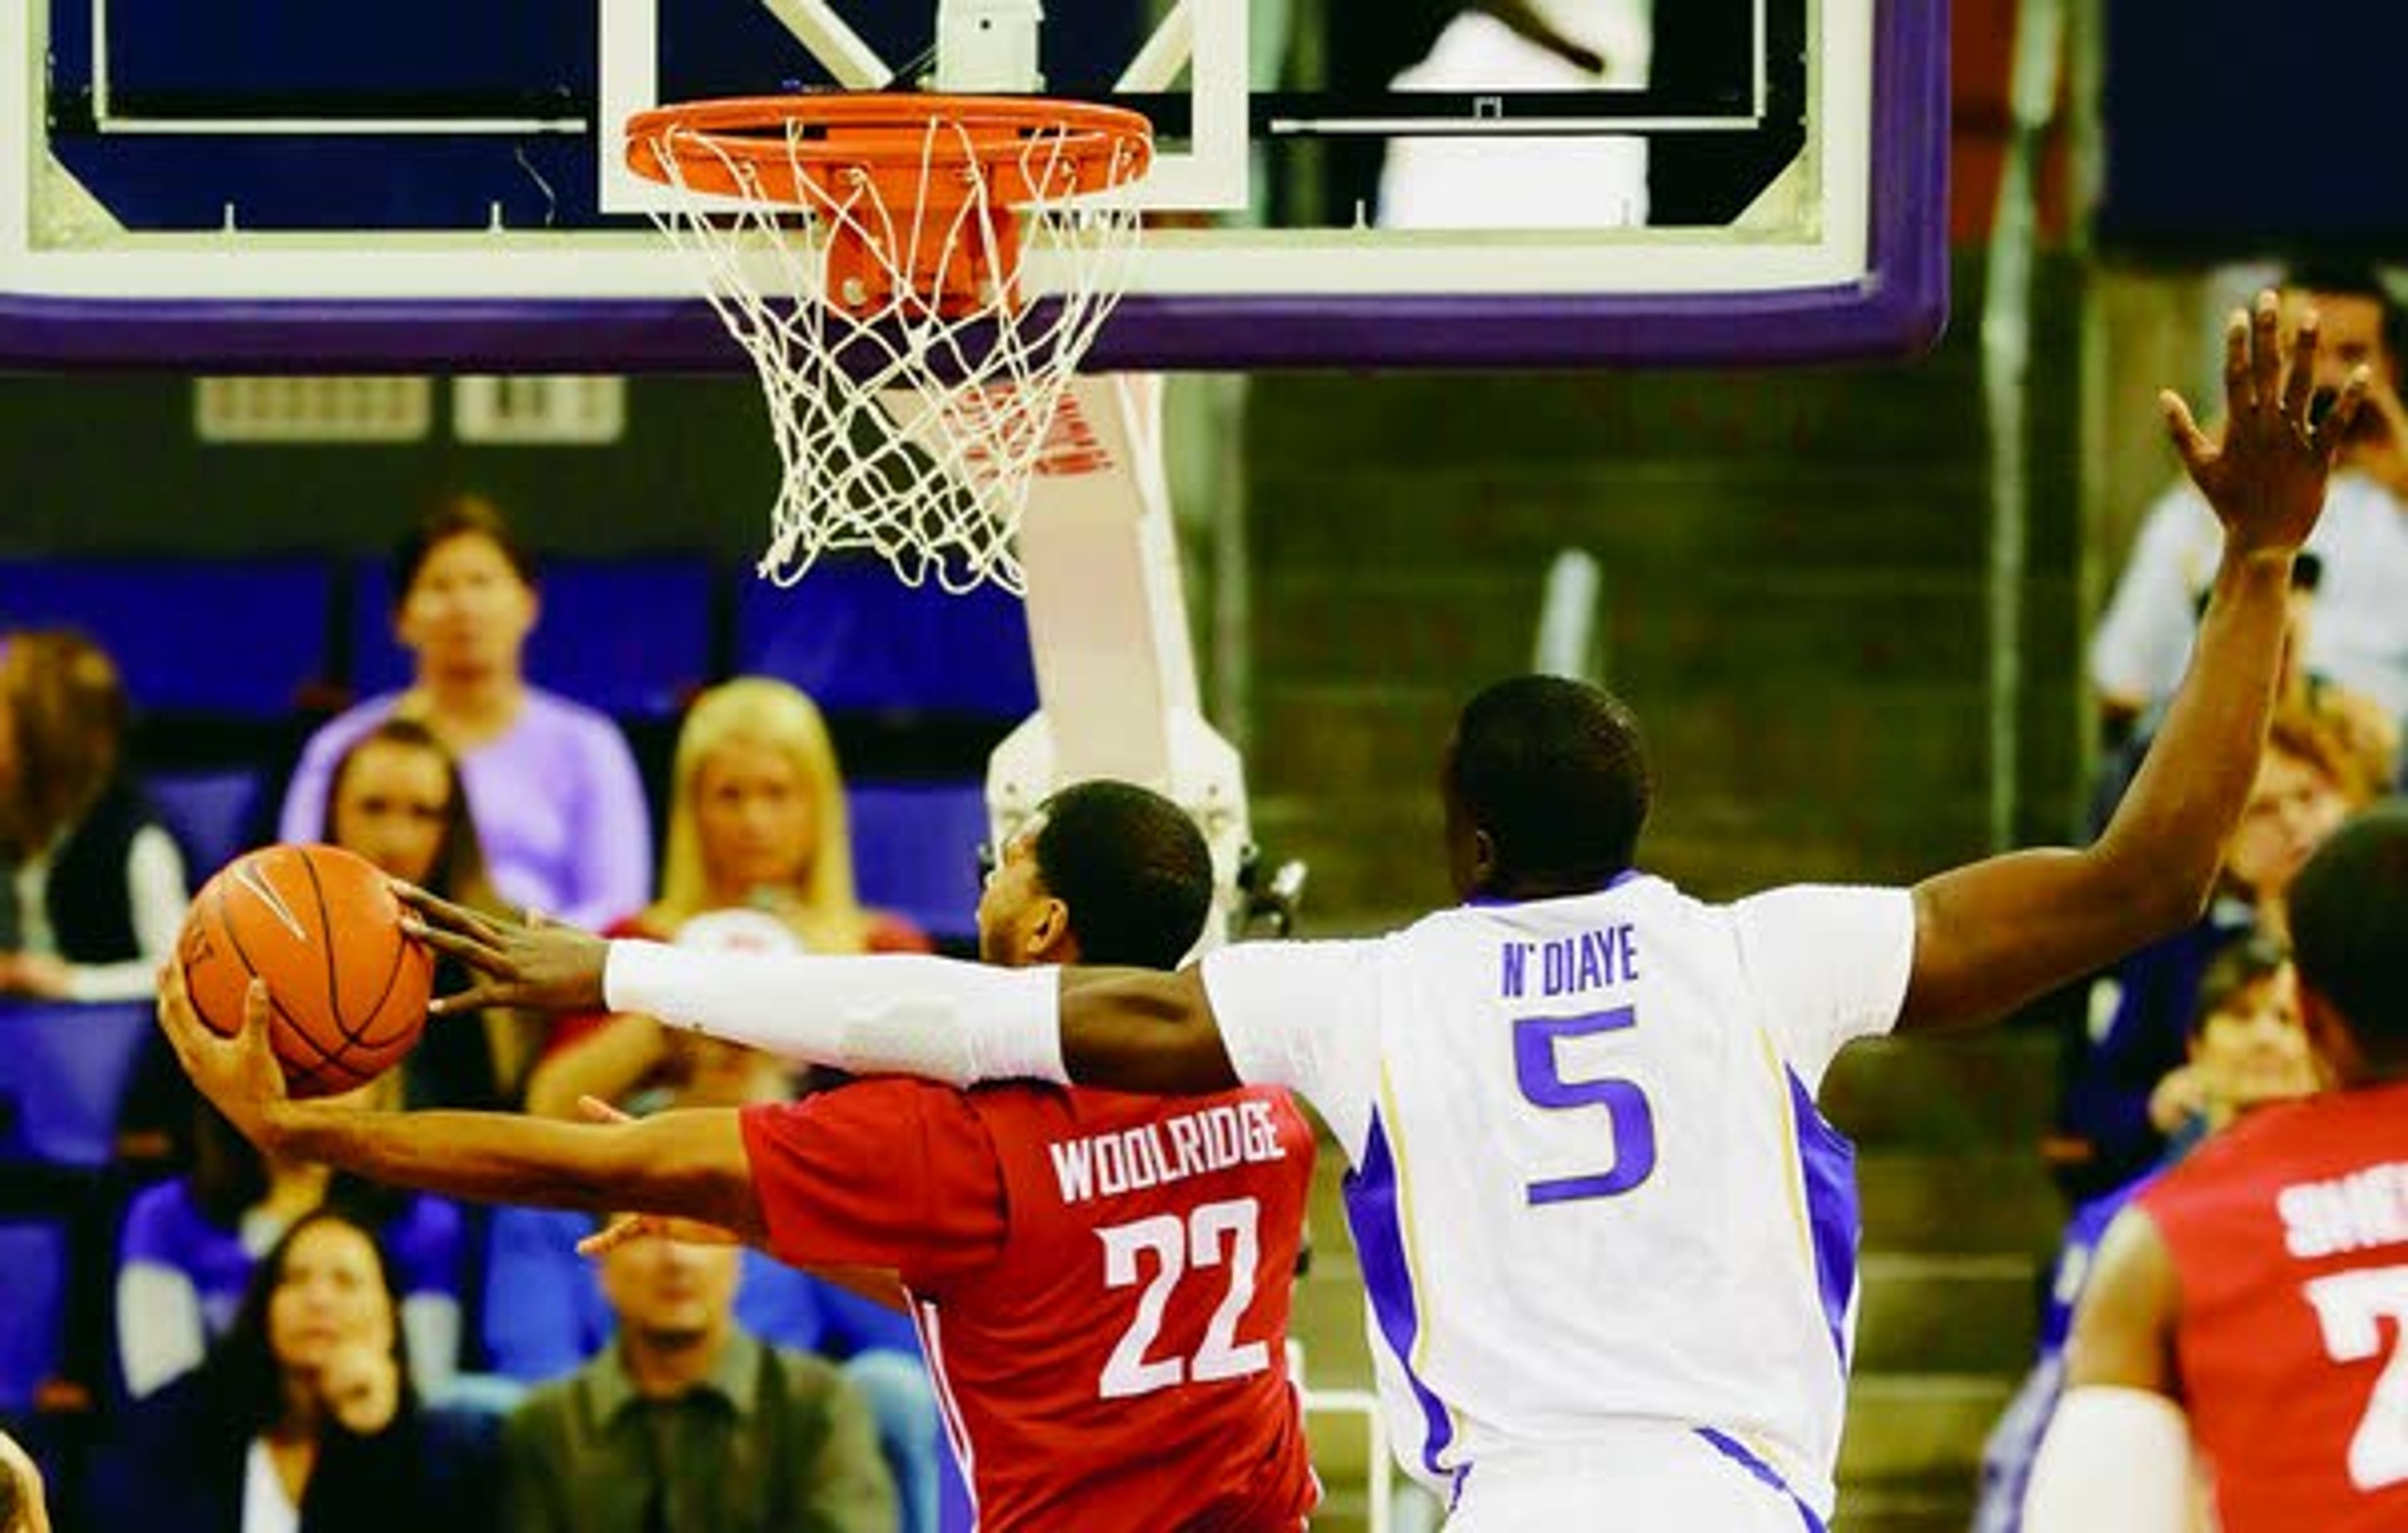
1731,1449
1828,1162
1486,902
1370,1197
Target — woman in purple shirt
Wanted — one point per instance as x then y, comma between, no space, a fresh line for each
554,790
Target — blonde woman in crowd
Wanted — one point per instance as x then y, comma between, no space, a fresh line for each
756,821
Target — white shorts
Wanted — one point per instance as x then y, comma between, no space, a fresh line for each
1673,1483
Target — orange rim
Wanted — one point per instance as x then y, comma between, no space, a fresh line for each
886,136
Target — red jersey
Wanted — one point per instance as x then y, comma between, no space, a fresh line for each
1101,1284
2289,1238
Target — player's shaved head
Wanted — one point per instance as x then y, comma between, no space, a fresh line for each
1131,868
2349,928
1554,773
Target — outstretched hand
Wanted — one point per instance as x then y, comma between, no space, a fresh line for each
241,1074
2265,470
535,964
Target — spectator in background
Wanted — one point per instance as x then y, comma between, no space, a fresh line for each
552,784
91,887
2128,1090
688,1424
2247,1048
22,1508
190,1246
756,820
395,798
2361,635
2356,724
304,1415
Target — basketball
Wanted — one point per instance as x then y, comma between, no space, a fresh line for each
322,928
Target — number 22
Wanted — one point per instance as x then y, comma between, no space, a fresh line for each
1626,1106
1175,1242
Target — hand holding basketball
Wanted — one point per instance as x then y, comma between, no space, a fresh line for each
239,1075
347,987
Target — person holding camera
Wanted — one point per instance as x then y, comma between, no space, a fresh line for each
2357,645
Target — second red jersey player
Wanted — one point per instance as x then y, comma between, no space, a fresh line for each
2287,1235
1101,1283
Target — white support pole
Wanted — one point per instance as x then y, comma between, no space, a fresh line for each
1108,630
855,63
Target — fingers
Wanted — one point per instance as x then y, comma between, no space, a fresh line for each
468,950
257,1008
2299,384
2334,428
597,1110
2266,350
435,908
614,1235
2240,395
480,995
2197,452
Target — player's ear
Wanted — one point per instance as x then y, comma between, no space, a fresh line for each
1050,939
2338,1059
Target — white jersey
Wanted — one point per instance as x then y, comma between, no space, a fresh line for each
1590,1191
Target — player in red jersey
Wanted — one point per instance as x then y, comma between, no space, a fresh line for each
1102,1281
2252,1305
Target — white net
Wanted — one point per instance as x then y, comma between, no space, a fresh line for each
909,427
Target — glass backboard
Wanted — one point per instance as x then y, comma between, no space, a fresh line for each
272,185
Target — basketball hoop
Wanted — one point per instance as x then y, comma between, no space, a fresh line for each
869,252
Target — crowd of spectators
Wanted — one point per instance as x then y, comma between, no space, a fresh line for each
288,1349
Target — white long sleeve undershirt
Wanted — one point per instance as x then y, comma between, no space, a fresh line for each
941,1018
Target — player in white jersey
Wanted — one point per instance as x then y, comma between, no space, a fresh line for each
1607,1242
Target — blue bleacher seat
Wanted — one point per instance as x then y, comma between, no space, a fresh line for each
633,636
859,640
214,815
243,639
34,1297
63,1068
915,852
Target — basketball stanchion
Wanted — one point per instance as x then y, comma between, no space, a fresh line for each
873,255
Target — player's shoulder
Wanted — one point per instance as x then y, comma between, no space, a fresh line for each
2270,1144
1629,892
870,1112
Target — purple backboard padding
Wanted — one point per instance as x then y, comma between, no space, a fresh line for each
1899,309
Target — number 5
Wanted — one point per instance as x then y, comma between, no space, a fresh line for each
1625,1104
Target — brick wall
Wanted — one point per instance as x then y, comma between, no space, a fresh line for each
1794,600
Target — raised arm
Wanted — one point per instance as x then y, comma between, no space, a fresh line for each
689,1164
1993,935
